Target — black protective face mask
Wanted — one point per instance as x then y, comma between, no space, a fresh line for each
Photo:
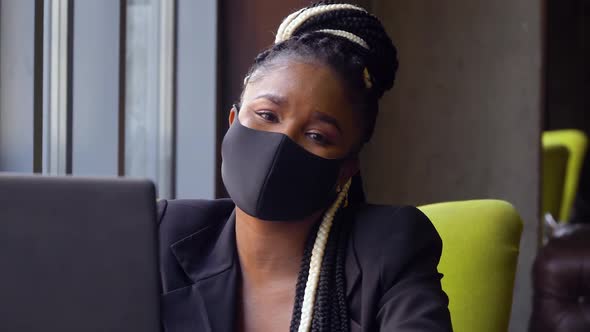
271,177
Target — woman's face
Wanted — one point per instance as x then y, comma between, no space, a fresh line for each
306,102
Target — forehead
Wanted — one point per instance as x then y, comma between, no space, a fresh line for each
302,84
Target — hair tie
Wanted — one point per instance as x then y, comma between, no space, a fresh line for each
367,78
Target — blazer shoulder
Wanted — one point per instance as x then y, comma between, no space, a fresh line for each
408,222
180,218
396,235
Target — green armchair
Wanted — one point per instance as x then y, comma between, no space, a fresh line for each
480,250
575,143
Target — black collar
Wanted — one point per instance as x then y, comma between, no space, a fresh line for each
200,257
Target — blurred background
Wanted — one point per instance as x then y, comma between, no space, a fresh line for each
143,88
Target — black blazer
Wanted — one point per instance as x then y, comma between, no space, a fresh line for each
391,268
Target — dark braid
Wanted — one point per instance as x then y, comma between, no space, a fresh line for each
324,301
341,309
376,56
331,308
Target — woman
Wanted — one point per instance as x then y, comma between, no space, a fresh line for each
296,247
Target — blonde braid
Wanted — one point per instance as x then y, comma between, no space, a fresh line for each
289,26
348,35
317,255
287,21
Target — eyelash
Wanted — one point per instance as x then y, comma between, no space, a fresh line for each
262,115
323,141
320,140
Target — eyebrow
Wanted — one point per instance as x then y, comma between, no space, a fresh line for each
275,99
327,119
281,100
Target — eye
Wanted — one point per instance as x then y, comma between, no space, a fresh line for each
318,138
267,116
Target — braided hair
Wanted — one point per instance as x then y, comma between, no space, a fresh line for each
355,45
346,38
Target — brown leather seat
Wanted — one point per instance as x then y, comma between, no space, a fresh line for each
561,281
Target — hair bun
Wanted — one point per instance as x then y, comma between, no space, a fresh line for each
353,23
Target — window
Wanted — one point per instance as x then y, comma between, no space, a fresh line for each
110,88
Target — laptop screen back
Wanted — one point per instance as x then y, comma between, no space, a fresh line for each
78,254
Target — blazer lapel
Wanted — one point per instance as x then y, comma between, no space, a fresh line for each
208,257
351,264
352,270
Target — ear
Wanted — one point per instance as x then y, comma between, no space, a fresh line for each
349,168
232,115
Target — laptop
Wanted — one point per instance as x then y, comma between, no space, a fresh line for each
78,254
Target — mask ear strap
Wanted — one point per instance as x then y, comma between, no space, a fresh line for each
236,107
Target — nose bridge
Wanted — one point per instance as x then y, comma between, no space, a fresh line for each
294,128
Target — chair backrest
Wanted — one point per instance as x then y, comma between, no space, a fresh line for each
480,250
575,142
555,158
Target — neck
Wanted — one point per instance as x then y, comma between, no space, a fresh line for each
271,249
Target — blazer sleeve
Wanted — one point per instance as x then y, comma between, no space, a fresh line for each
414,300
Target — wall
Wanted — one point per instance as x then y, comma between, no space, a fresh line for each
463,121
